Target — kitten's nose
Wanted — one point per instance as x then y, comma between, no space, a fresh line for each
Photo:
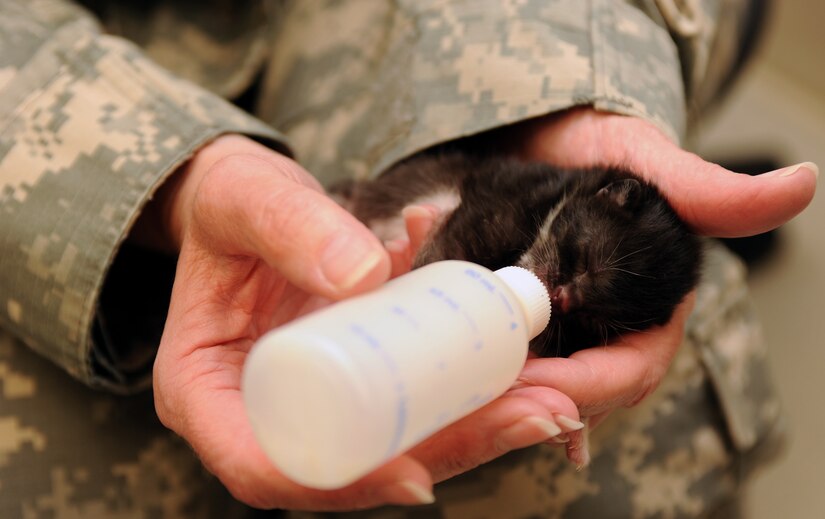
560,299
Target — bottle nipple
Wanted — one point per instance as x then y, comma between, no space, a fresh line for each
531,294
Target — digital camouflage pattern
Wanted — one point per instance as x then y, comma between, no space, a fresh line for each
90,128
90,125
68,451
359,85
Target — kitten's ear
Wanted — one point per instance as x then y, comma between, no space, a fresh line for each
624,193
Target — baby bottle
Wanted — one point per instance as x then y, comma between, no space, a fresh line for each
335,394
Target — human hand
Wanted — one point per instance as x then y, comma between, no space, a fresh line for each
711,200
259,245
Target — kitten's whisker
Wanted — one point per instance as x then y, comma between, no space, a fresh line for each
619,327
630,254
605,334
607,261
641,321
559,340
547,345
630,272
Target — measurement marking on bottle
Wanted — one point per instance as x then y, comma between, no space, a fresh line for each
449,301
506,303
400,388
405,315
470,321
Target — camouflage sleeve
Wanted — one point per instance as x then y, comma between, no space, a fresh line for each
709,37
88,129
410,74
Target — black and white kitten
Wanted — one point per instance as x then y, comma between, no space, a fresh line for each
611,250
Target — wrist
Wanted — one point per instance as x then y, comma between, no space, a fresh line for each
584,137
162,224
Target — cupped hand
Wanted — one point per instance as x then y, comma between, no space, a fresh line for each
260,244
710,199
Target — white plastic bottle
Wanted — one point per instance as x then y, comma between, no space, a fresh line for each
337,393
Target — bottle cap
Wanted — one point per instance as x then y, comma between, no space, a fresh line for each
531,293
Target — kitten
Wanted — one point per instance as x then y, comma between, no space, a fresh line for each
611,250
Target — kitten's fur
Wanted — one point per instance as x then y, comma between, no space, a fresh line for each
612,252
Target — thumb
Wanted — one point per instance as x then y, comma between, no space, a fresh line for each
268,209
709,198
718,202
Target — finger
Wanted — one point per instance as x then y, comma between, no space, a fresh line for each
219,432
520,418
574,435
234,456
259,207
717,202
578,448
711,199
620,374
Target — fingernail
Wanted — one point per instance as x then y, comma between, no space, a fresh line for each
409,492
562,438
579,455
527,431
585,460
584,454
568,423
348,260
790,170
578,450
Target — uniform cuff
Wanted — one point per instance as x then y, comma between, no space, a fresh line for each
92,129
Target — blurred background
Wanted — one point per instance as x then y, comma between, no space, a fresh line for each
776,111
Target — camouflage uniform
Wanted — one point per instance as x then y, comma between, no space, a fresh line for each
92,122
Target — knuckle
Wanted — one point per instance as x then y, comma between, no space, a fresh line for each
264,193
460,460
284,209
222,175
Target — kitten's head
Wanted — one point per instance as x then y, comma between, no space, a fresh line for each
615,258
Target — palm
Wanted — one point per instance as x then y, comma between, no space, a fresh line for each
254,237
221,306
227,304
711,200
